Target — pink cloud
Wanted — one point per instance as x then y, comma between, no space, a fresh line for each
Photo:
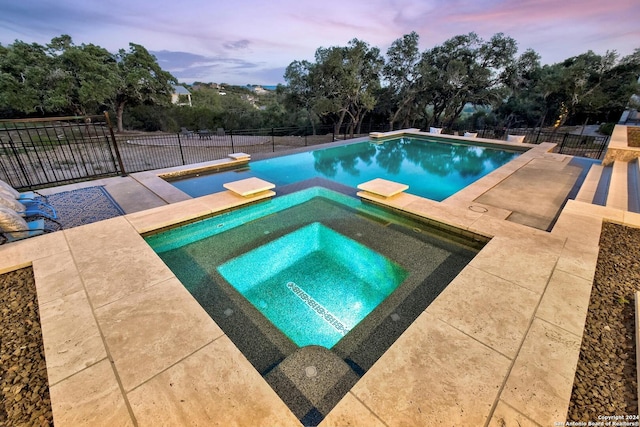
278,32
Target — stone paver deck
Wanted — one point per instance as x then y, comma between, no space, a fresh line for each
126,344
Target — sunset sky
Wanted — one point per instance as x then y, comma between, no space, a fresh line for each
252,41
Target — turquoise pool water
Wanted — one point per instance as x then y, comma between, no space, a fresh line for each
315,263
430,167
314,277
315,274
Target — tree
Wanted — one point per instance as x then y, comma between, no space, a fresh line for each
623,84
62,78
363,67
344,81
299,93
523,101
588,87
82,78
464,69
239,113
141,81
24,70
401,73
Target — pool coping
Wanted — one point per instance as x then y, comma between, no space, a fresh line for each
126,344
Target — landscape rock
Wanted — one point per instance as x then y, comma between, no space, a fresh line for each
606,379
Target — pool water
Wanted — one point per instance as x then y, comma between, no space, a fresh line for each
314,271
311,249
431,168
315,274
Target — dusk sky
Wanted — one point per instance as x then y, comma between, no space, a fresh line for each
252,41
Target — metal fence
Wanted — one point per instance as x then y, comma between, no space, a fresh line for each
43,152
572,144
37,153
145,152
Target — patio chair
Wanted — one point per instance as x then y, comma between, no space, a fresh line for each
471,134
29,208
13,227
204,134
39,209
186,132
34,228
435,130
27,195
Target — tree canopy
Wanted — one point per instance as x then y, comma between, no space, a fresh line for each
341,83
434,87
465,82
62,78
142,81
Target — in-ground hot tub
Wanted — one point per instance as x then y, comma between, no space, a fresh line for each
314,282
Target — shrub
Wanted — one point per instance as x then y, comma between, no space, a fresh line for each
606,128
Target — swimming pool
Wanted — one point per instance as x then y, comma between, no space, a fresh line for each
432,168
314,272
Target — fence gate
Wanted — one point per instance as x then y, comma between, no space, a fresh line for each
38,152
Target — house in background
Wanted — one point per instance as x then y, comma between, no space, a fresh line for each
259,90
181,96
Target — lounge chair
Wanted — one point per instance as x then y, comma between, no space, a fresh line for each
515,138
435,130
471,134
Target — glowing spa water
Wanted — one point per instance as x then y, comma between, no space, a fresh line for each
314,284
312,267
432,168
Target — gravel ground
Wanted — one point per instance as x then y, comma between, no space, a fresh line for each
24,389
605,382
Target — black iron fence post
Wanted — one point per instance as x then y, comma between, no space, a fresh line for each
180,147
564,138
273,141
115,145
21,165
231,135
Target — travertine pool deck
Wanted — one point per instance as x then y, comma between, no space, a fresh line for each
126,344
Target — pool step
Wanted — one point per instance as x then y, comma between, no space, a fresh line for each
633,177
616,186
590,185
618,197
